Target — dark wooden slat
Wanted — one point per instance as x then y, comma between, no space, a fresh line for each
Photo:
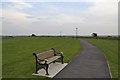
45,55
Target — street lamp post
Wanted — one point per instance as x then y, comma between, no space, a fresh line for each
60,34
76,33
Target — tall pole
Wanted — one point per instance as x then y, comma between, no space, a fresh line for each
76,33
60,34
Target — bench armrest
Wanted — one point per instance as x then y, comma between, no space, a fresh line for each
46,60
61,53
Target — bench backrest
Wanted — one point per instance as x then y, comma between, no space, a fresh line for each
45,55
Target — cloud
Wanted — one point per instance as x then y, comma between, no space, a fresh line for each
14,16
63,0
21,4
1,13
15,22
99,1
104,8
68,19
44,17
101,17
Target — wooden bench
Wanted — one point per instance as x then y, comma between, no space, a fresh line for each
44,59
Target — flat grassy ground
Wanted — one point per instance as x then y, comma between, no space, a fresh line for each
110,49
0,58
18,61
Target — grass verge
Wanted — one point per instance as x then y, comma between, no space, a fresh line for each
18,61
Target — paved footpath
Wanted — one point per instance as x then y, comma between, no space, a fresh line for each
91,63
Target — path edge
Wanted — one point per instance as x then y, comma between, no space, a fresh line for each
108,65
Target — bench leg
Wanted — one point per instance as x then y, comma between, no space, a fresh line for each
47,65
53,61
62,59
36,68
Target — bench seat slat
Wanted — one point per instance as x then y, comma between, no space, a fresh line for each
46,54
50,59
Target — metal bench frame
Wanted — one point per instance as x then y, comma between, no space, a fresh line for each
46,65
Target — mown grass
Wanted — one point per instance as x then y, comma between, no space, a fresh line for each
18,61
110,49
0,58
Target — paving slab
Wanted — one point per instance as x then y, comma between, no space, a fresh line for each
54,68
91,63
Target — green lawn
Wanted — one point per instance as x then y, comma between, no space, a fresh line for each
110,49
0,58
18,61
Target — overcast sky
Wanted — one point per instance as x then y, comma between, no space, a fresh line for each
43,18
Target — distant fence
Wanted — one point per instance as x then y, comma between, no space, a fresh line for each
98,37
5,37
103,37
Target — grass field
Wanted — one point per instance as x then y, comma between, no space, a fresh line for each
18,61
110,49
0,58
